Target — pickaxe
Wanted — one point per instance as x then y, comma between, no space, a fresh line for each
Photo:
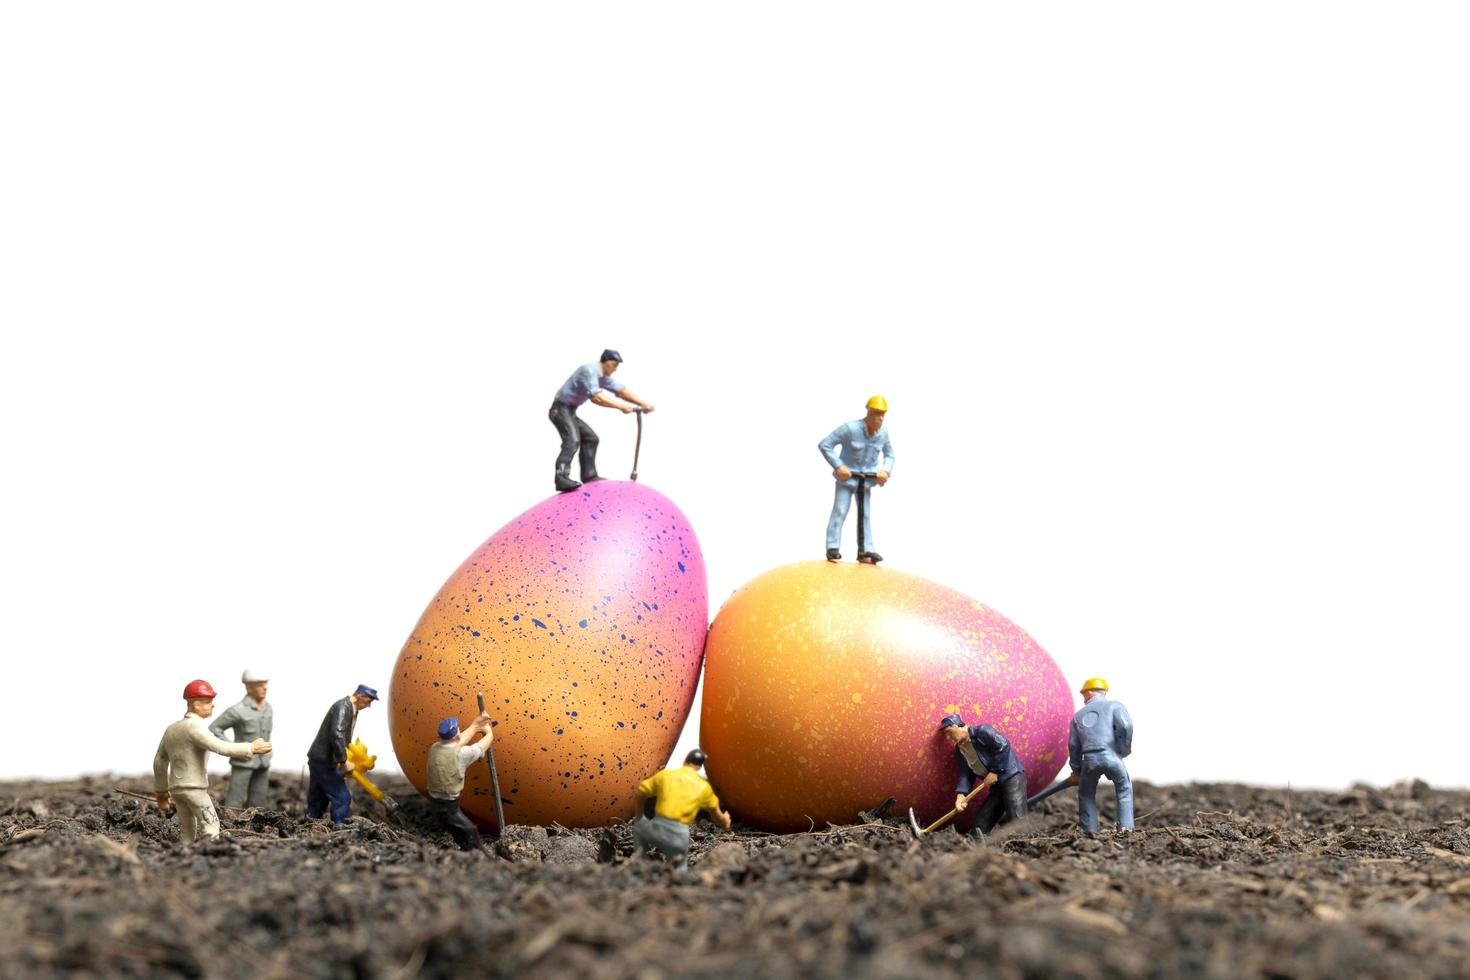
490,749
1031,801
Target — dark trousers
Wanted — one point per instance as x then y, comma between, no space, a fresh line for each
577,438
1005,803
452,819
326,786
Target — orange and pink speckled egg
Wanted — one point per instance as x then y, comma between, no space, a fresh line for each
825,683
583,622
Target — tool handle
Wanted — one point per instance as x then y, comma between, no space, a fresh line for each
494,775
953,813
1050,791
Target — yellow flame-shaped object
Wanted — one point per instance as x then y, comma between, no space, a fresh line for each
357,754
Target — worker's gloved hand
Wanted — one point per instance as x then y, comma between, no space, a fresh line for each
843,473
960,802
164,802
345,767
627,409
882,478
646,407
260,746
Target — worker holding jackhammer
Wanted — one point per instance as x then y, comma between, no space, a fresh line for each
678,795
449,759
326,761
982,752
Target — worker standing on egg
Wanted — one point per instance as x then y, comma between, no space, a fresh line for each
449,759
1100,739
983,752
326,760
594,383
252,718
858,451
179,776
678,796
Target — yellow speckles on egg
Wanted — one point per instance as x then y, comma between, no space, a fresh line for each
857,697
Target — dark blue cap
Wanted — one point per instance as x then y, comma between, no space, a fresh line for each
611,355
449,727
951,721
366,691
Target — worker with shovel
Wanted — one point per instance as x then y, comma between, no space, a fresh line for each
981,751
858,451
594,383
449,759
678,796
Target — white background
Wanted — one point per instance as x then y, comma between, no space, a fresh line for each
1169,302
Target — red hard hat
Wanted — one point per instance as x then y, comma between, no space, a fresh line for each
198,689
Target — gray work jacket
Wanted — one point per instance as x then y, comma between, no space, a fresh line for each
249,722
1099,725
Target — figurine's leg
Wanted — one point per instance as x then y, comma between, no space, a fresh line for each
239,790
335,786
565,420
641,843
1014,792
988,815
588,453
1123,788
316,793
185,809
1087,800
841,501
260,787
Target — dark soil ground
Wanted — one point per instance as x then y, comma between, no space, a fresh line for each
1218,881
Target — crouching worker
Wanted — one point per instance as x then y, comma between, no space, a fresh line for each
983,752
449,759
678,795
179,777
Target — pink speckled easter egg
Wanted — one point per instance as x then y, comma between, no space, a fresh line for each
825,683
583,622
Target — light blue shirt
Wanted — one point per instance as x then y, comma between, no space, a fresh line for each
850,445
1100,725
585,382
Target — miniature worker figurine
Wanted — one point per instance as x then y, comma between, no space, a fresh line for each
1101,738
588,382
678,794
252,718
449,759
179,776
982,750
859,446
326,760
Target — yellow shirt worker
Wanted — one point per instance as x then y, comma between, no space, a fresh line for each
678,795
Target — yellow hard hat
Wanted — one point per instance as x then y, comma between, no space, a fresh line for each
877,404
1094,684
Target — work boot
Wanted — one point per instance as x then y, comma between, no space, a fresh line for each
591,479
564,482
833,554
870,558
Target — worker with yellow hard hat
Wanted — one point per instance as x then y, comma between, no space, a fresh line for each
859,451
1101,738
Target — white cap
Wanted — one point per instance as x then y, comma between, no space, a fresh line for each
252,676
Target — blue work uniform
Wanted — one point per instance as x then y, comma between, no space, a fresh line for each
850,445
585,382
1101,737
577,437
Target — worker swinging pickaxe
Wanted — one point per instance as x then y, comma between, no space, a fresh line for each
985,783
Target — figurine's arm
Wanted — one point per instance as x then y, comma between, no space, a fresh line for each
967,777
888,458
1074,747
828,446
224,721
712,805
1122,730
232,750
341,732
160,770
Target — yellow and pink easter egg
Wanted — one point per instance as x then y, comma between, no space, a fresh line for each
583,623
825,684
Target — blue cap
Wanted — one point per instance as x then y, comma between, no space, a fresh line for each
951,721
366,691
449,727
